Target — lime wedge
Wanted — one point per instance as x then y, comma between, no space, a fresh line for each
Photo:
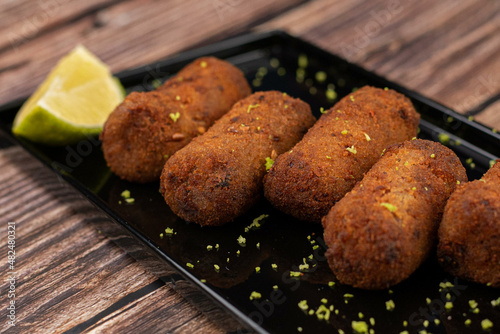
72,103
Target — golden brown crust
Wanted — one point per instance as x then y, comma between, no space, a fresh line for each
219,175
140,134
469,234
320,170
381,231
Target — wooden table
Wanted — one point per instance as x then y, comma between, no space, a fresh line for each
72,275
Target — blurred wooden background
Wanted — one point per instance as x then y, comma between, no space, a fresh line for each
74,278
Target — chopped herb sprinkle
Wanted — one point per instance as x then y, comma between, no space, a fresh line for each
448,305
320,76
269,163
295,273
359,326
303,305
352,98
323,313
352,149
330,284
274,266
210,247
486,324
302,61
257,245
473,304
389,305
367,137
203,64
242,241
130,200
331,94
275,287
433,155
125,194
322,110
257,270
495,302
252,106
255,295
444,138
274,62
175,116
216,267
190,265
256,223
467,322
389,206
169,231
344,132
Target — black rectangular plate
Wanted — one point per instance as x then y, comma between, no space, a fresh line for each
281,240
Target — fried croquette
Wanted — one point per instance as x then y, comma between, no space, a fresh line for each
382,230
218,176
338,150
147,128
469,234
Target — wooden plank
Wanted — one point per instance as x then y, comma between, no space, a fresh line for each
131,33
148,310
24,20
442,49
490,116
67,272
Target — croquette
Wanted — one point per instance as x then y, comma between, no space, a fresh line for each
338,150
382,230
469,234
218,176
147,128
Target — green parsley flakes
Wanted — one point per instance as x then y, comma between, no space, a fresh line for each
486,324
359,326
295,273
125,194
323,313
255,295
448,305
352,149
274,266
203,64
389,305
473,304
242,241
444,138
269,163
495,302
257,270
389,206
367,137
175,116
303,305
320,76
216,267
255,223
190,265
169,231
302,61
252,106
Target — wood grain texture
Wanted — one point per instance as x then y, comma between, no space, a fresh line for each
446,50
73,278
68,272
128,34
